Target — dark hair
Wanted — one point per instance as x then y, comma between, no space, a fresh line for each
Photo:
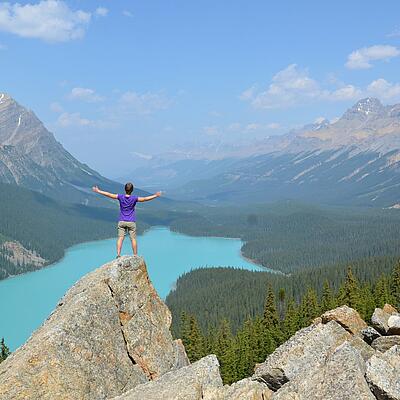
129,188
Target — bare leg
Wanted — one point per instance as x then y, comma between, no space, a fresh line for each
134,246
119,245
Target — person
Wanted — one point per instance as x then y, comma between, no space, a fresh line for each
127,214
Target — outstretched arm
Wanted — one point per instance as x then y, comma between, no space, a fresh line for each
148,198
107,194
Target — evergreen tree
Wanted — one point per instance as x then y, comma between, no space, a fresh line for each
395,285
309,308
226,353
193,340
382,292
4,350
290,324
271,320
349,292
328,301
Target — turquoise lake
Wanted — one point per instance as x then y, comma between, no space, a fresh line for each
26,300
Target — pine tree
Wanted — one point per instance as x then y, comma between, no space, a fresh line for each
382,292
328,301
349,292
309,308
192,339
290,324
271,319
226,353
4,350
395,285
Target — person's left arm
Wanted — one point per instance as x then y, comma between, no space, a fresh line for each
102,192
148,198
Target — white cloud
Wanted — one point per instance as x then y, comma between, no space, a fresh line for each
73,119
384,89
348,92
293,86
101,11
361,58
85,94
127,13
146,103
286,88
49,20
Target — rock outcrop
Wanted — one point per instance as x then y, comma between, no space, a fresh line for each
337,357
109,339
108,334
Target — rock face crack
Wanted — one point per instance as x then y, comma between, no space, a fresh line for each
121,324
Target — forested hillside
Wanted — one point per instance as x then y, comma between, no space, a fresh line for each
279,317
44,228
290,236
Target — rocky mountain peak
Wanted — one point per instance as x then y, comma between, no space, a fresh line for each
365,108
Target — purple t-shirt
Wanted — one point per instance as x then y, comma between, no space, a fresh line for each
127,207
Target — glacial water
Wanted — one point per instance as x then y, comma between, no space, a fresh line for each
26,300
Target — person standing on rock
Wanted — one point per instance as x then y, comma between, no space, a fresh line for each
127,214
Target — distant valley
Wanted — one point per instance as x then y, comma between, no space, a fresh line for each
353,161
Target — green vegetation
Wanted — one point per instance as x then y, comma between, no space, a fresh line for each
4,350
281,317
290,236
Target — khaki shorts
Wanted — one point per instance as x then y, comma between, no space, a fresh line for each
124,227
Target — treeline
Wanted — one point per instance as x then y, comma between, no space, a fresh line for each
213,294
282,316
291,236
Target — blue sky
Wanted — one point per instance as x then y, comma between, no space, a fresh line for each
115,78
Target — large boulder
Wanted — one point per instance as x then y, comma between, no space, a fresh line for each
384,343
383,372
347,317
306,350
394,325
108,334
340,377
244,389
380,318
187,383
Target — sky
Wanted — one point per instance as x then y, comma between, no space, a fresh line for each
119,81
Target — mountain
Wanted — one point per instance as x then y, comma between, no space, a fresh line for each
353,161
31,157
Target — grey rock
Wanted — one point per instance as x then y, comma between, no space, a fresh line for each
109,333
365,350
347,317
383,371
369,334
394,325
380,318
384,343
180,356
304,351
244,389
187,383
340,377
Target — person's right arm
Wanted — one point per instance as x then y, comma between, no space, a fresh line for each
102,192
